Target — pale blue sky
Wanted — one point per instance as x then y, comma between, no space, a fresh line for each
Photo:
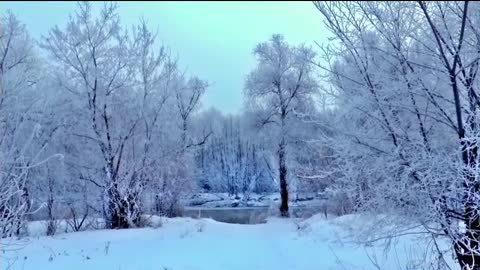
213,40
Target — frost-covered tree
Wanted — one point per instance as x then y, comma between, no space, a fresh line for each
94,57
16,60
232,160
178,172
404,76
281,85
23,137
118,85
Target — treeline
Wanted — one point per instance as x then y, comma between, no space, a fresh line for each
97,120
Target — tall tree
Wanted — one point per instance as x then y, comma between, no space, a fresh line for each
96,60
409,72
23,139
281,84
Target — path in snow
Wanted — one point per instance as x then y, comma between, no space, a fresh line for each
199,244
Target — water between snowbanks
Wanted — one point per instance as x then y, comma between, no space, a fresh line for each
246,215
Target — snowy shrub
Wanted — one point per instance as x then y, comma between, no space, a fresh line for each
52,226
302,226
338,203
200,226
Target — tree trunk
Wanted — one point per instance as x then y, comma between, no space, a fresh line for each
51,225
117,209
184,134
282,167
467,248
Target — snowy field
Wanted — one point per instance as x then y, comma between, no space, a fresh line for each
205,244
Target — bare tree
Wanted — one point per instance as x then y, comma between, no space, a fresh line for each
17,133
95,58
409,70
178,178
282,83
188,94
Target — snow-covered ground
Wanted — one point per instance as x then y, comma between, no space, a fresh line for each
204,244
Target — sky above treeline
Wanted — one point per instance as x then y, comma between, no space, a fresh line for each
213,40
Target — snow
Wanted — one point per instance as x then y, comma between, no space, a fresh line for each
205,244
38,228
